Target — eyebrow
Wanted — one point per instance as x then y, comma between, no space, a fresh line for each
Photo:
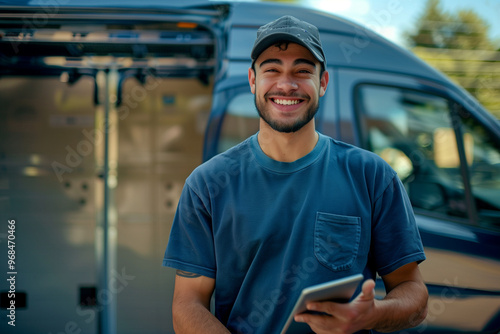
296,62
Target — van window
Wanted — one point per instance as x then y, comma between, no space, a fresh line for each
241,120
483,159
413,132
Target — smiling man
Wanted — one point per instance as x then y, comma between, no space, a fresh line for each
297,208
296,108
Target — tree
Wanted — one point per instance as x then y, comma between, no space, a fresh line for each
458,45
433,27
439,29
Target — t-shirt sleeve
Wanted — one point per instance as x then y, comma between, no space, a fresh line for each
190,246
396,239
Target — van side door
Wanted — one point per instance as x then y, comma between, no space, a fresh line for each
449,161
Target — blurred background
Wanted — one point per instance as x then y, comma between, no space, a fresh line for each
461,38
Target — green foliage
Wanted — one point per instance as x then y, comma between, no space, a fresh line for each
457,44
439,29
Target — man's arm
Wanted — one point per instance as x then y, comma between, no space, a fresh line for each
191,305
405,305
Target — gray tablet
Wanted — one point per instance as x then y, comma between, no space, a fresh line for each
340,290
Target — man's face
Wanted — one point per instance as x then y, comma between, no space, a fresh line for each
287,86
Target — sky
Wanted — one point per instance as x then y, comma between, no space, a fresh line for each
393,17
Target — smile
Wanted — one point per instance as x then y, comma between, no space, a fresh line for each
286,102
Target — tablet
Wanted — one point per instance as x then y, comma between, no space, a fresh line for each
340,290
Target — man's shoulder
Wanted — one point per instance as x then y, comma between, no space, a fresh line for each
234,154
351,152
360,160
223,162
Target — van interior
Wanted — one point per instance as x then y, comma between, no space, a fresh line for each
102,120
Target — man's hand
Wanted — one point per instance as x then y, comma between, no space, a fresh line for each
342,318
404,306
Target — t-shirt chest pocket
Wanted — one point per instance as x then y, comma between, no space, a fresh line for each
336,240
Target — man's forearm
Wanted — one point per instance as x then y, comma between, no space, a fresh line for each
404,306
195,318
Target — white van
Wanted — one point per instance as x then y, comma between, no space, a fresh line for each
107,106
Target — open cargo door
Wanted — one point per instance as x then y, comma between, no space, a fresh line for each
103,117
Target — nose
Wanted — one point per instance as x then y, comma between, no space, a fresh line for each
286,83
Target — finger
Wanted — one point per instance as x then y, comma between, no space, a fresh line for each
315,320
307,317
299,318
368,290
324,307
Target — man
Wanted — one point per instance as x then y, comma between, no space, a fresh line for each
289,208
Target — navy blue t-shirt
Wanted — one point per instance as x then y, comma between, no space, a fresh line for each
265,229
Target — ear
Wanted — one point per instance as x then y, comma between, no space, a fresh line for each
324,82
251,79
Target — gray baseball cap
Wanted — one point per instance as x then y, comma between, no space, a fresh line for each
291,29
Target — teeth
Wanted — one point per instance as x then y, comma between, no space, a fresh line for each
286,102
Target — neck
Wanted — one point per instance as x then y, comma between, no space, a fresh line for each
287,147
